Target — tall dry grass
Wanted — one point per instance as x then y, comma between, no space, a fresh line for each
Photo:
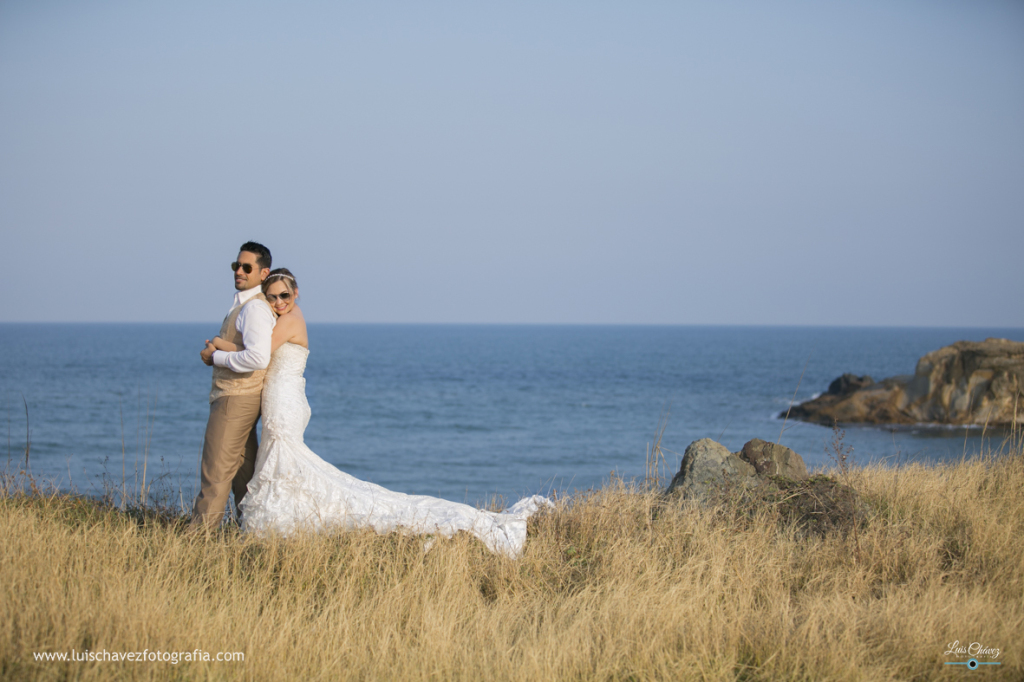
617,584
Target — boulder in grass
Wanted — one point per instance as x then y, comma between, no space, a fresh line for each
708,468
772,459
765,475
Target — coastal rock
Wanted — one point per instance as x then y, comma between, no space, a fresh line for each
969,382
708,468
849,383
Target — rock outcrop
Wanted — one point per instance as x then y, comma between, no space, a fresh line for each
968,382
709,469
766,476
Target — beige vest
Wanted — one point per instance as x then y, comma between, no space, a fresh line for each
226,382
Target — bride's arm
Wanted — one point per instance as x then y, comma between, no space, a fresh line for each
221,344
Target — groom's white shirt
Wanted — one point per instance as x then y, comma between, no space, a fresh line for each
256,324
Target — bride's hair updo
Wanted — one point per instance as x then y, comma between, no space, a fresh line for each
281,275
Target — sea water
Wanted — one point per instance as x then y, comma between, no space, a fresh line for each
464,412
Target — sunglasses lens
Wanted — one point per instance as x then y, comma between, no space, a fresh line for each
246,267
234,266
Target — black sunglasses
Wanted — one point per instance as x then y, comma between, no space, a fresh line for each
284,296
246,267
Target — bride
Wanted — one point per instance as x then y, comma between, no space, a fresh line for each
292,488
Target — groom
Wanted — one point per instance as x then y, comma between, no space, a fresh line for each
229,449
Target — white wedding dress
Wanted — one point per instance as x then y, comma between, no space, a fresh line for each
293,489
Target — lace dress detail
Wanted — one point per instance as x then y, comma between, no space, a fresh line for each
294,489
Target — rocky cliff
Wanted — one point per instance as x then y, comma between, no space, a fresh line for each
968,382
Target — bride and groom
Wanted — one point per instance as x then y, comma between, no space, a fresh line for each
280,485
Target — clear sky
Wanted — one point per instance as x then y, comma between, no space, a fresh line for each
853,162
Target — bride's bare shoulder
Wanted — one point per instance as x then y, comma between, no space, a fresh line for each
293,325
293,317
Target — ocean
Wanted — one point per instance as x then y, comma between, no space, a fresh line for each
464,412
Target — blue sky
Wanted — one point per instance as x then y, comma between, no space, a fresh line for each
559,162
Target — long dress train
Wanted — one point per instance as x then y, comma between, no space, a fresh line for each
292,488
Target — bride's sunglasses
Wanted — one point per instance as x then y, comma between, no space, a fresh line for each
246,267
284,296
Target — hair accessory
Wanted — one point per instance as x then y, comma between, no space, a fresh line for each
280,274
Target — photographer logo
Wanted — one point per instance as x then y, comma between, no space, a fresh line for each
975,653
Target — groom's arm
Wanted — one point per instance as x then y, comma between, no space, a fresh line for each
256,322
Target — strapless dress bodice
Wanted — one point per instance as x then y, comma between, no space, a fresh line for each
289,360
284,408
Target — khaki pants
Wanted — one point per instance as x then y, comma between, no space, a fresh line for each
229,456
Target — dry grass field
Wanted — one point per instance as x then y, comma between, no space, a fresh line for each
617,584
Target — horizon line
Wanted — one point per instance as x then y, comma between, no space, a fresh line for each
541,324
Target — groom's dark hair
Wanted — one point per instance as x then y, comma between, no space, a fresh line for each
263,258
